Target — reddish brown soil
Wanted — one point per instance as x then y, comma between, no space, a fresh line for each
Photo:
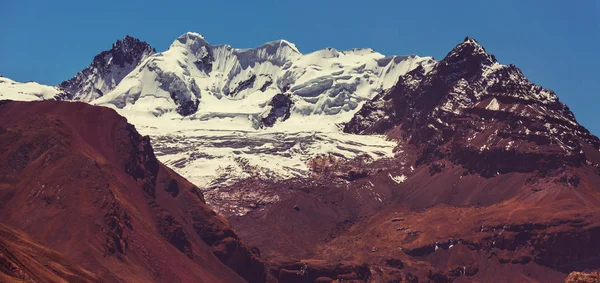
24,260
80,180
514,227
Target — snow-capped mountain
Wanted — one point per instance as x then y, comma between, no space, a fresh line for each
488,177
195,78
106,70
199,101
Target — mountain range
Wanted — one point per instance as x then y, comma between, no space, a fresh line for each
332,165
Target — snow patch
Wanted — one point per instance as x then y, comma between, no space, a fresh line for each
397,179
493,105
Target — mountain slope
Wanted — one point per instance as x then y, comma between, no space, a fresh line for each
23,260
96,193
471,109
104,73
493,180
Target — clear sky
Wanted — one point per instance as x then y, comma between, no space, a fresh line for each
554,42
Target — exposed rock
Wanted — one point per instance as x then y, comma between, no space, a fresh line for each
280,110
582,277
106,70
482,115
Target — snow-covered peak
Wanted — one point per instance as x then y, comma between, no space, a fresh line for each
191,34
190,40
270,106
471,41
195,78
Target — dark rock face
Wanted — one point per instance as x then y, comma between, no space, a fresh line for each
485,116
171,187
106,70
280,110
267,84
186,99
185,107
206,61
241,86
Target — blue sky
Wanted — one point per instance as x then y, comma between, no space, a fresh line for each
555,43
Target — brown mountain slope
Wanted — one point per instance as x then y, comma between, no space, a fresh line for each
493,181
23,260
80,179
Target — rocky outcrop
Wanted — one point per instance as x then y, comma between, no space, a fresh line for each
281,105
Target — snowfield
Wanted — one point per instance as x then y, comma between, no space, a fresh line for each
213,158
220,151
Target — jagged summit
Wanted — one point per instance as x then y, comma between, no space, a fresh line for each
466,60
469,41
130,43
106,70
